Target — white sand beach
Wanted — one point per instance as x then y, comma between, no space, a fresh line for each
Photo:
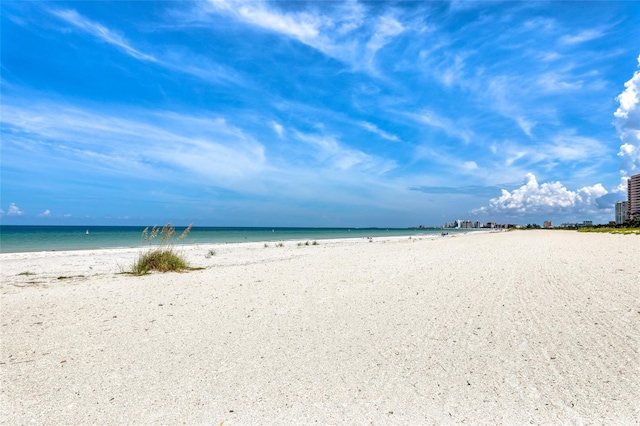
512,328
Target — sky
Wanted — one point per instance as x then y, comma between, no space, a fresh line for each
306,113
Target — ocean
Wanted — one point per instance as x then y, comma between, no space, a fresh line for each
15,238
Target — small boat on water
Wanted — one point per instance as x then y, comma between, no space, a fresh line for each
87,232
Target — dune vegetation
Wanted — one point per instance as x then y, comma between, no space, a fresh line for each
162,257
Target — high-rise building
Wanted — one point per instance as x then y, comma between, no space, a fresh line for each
622,212
633,199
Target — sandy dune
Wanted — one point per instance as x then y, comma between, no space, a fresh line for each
516,327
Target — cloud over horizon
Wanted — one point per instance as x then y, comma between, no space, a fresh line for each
627,124
536,199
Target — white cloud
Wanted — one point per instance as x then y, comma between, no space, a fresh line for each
627,123
277,128
581,37
568,147
503,94
552,82
386,29
526,125
432,119
45,213
340,31
302,26
187,62
145,144
469,165
559,149
547,198
330,151
101,32
14,210
374,129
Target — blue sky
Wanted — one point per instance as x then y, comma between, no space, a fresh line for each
256,113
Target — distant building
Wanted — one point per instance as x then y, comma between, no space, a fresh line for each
548,224
587,223
622,212
478,224
633,196
464,224
492,225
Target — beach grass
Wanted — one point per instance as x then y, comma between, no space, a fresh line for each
164,257
611,230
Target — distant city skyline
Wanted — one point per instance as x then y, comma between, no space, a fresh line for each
328,114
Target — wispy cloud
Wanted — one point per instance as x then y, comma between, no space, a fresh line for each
186,62
451,128
552,82
278,128
329,150
341,31
302,25
99,31
374,129
139,147
581,37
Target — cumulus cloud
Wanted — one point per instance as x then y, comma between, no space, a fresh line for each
533,198
45,213
14,210
627,124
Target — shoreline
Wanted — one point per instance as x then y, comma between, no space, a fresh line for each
509,327
190,245
238,236
116,260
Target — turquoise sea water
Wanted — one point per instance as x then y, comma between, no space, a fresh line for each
46,238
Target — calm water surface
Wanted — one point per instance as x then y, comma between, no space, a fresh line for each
46,238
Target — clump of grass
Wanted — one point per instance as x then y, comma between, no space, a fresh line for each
280,244
26,273
210,253
315,243
266,245
162,260
624,231
164,257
